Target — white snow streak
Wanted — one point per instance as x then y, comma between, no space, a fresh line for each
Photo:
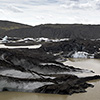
15,47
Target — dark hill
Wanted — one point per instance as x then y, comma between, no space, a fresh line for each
7,25
56,31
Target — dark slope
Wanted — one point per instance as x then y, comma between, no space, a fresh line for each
7,25
57,31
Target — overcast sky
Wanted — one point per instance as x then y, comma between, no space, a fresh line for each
34,12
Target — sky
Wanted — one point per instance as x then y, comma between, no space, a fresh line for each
35,12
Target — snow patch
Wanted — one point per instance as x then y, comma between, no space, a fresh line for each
50,64
15,47
42,39
49,77
4,40
81,54
10,39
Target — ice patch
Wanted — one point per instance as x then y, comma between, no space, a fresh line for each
59,40
81,54
10,39
4,40
50,64
19,74
15,47
42,39
49,77
22,86
50,40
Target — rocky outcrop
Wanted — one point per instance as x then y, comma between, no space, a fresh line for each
72,47
97,55
61,48
34,71
68,85
33,60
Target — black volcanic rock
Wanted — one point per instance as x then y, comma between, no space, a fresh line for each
97,55
67,48
34,71
33,60
68,87
69,84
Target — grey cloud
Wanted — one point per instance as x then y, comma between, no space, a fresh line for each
40,2
75,0
71,4
77,5
14,9
98,5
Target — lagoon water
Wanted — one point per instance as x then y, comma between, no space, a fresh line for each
91,94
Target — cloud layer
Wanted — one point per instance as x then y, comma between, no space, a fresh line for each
36,12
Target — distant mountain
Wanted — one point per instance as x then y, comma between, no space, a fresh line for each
51,30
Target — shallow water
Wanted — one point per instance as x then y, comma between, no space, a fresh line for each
88,64
91,94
